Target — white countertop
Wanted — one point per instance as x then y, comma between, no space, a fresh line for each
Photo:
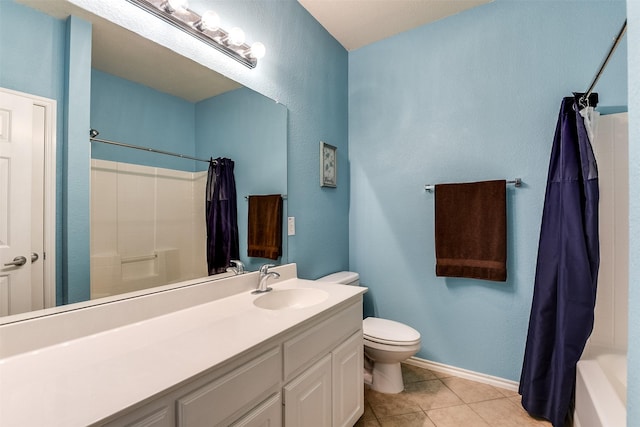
82,381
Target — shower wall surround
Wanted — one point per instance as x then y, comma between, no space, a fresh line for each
633,379
147,227
611,148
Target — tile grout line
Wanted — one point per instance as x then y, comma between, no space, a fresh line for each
441,381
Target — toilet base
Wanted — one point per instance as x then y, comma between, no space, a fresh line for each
387,378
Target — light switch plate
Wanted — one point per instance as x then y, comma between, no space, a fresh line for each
291,226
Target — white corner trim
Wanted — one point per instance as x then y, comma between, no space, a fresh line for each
50,155
463,373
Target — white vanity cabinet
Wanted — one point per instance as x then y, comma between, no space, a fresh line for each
310,376
247,390
331,391
323,371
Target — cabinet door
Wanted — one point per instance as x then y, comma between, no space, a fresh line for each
307,399
348,386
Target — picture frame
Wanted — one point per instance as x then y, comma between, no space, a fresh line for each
328,165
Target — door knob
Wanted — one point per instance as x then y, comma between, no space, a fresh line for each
18,261
34,257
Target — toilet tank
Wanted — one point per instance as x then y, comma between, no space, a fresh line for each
342,277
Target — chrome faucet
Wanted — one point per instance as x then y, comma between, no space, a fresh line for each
265,274
239,267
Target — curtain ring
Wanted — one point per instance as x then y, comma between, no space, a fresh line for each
584,101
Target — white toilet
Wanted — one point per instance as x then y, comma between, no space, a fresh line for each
386,342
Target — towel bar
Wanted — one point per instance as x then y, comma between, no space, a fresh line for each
284,197
516,182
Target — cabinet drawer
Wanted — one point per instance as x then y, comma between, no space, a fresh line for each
301,351
268,413
244,387
307,399
161,416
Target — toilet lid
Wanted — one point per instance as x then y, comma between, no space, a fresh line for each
387,331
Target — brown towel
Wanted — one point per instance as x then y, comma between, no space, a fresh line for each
471,230
265,226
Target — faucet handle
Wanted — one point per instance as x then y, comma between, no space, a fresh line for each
265,268
239,266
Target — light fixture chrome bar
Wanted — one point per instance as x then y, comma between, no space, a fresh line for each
516,182
186,20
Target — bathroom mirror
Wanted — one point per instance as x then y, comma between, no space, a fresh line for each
147,95
147,216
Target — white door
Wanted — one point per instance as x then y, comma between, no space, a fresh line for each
16,133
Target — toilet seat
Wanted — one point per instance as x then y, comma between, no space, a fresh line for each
389,332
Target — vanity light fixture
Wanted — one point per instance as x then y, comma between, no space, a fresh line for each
205,28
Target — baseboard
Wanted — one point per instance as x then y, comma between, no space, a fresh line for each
463,373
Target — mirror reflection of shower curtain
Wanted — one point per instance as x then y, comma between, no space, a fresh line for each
221,216
562,311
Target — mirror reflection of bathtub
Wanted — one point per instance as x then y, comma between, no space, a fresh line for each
148,208
601,378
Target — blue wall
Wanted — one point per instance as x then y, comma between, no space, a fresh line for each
306,70
251,130
50,58
129,112
32,48
76,271
633,380
471,97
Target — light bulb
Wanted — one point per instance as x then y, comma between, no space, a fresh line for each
172,6
209,21
257,50
236,36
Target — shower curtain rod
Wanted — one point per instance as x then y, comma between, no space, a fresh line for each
94,133
516,182
584,98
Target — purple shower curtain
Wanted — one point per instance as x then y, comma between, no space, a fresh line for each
221,216
566,274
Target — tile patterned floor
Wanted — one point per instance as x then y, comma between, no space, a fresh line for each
433,399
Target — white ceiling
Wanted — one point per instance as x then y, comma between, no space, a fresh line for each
120,52
354,23
357,23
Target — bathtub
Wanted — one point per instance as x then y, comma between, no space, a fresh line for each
601,390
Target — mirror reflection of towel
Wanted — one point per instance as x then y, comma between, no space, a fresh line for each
471,230
265,226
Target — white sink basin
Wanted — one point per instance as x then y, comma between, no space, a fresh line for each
290,298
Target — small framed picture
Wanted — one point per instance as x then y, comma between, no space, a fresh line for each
328,165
